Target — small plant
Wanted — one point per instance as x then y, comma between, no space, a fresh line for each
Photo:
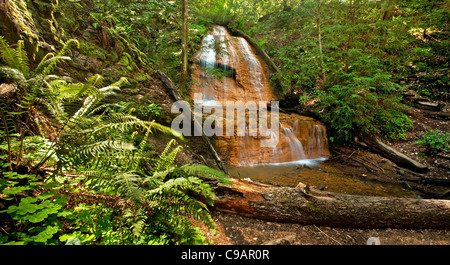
153,110
436,141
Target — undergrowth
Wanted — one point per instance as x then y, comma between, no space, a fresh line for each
75,170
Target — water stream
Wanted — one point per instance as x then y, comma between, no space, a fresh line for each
228,69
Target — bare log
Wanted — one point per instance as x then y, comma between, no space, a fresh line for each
426,105
310,206
413,99
173,91
438,115
394,155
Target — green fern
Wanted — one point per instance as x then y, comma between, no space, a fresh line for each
169,186
15,58
167,158
206,172
48,65
128,183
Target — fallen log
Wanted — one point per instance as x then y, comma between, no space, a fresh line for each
305,205
426,105
411,98
394,155
173,91
438,115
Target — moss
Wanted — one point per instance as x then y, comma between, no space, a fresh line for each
312,206
142,77
69,16
16,23
44,12
127,62
132,83
113,56
132,91
92,50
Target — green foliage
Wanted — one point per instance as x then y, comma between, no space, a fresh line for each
127,61
351,56
365,106
436,141
168,196
36,218
151,110
108,151
16,58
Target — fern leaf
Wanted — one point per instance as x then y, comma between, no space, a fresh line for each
59,56
45,61
141,147
167,130
126,121
15,58
8,54
48,62
158,176
206,172
173,202
13,75
166,159
97,148
22,59
128,183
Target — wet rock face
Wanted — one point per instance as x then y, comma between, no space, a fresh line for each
228,69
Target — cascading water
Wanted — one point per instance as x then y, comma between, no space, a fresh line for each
245,77
207,61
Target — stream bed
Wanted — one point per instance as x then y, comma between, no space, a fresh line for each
318,173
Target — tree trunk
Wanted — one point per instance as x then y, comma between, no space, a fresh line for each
395,156
321,60
184,44
437,115
309,206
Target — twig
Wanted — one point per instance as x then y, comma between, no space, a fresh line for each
373,164
364,164
328,235
342,154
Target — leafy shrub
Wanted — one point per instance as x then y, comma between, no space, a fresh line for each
365,106
436,141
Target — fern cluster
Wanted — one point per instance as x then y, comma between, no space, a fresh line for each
107,150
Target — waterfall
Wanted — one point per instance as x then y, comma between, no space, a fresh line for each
299,137
295,145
